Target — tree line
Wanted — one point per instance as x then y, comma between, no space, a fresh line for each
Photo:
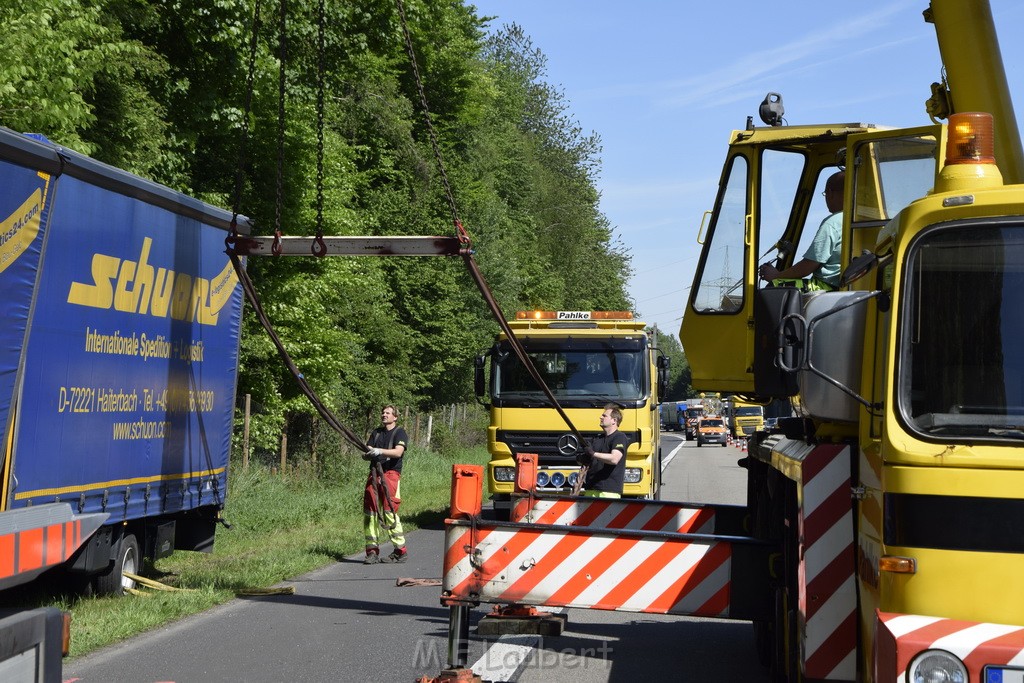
159,88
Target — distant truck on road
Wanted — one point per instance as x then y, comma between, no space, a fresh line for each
671,414
118,367
743,419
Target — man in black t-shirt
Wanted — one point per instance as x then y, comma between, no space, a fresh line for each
386,447
605,457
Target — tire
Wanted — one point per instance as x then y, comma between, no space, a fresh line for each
699,443
723,444
126,559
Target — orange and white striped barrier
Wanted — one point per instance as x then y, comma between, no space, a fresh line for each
638,569
598,568
624,513
900,637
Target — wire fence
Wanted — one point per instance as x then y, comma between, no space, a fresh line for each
306,439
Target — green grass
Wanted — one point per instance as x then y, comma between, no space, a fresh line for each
282,527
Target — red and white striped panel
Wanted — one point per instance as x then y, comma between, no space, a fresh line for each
589,568
35,539
620,513
828,598
899,637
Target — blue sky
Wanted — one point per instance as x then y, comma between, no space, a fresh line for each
664,82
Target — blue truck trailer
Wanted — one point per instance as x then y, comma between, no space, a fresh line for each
118,364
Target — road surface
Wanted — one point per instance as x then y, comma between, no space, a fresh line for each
348,621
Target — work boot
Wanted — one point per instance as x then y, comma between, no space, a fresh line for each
372,557
398,555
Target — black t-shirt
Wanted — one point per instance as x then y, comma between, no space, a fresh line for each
382,438
604,477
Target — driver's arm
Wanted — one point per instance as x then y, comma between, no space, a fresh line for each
798,270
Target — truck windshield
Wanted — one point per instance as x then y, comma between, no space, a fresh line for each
962,352
578,371
749,411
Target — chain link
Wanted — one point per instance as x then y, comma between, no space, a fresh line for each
240,171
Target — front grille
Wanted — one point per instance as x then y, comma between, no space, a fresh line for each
544,444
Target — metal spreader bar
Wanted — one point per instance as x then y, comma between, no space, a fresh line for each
270,245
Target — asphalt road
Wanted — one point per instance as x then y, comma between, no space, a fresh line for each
348,621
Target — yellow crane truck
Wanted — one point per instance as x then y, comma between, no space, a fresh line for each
896,494
588,359
883,534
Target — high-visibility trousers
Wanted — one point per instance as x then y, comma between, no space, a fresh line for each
392,529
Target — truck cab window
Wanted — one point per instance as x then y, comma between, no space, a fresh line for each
720,289
780,178
964,326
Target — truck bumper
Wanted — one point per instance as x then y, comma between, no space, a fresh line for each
988,651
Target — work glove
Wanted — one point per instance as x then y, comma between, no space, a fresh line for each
586,456
372,455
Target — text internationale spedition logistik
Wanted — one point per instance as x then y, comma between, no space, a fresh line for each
143,346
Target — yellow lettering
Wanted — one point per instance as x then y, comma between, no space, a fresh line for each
101,293
18,230
181,298
162,292
140,276
143,288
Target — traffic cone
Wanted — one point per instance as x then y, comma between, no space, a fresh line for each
745,445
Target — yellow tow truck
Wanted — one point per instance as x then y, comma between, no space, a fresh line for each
588,359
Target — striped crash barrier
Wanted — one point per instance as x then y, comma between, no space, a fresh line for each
992,653
827,599
632,569
37,538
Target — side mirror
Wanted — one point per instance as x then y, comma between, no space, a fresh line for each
663,364
858,268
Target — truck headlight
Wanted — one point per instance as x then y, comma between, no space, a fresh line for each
504,474
543,478
936,666
633,475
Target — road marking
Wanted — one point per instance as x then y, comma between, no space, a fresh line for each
504,659
507,656
666,461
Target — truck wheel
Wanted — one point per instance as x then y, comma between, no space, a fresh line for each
113,581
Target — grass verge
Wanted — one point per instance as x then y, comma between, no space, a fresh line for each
282,527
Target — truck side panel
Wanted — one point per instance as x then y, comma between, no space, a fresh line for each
129,318
24,211
118,399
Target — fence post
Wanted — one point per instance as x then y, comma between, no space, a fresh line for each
416,430
245,433
284,450
430,426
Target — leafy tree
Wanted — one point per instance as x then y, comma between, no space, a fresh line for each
159,87
679,377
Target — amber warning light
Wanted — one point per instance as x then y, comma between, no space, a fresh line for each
970,139
574,315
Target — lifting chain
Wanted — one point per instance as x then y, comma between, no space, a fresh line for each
463,237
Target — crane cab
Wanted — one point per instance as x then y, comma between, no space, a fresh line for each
769,205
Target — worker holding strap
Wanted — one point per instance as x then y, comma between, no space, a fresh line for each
604,459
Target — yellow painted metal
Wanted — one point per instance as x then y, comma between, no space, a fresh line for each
977,80
720,344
